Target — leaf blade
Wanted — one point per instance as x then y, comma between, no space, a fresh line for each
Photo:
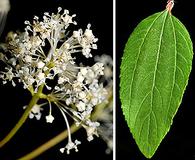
148,63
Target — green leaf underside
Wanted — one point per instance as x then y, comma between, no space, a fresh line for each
155,70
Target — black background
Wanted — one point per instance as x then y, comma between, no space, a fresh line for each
34,133
179,144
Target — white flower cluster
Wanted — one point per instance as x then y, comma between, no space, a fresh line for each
45,52
105,118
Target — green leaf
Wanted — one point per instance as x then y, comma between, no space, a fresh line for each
155,70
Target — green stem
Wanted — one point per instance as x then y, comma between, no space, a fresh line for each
49,144
21,121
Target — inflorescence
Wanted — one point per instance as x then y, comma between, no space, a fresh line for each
46,51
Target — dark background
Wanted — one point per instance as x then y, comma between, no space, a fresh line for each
179,143
34,133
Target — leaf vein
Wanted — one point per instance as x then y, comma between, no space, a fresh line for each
175,66
157,61
133,74
136,116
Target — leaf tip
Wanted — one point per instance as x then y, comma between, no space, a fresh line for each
149,153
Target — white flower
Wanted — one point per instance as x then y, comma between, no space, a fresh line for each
80,106
61,80
41,76
98,68
28,59
91,129
76,34
49,118
35,112
84,71
66,45
88,33
82,95
68,101
62,150
40,64
86,52
69,146
80,77
108,65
